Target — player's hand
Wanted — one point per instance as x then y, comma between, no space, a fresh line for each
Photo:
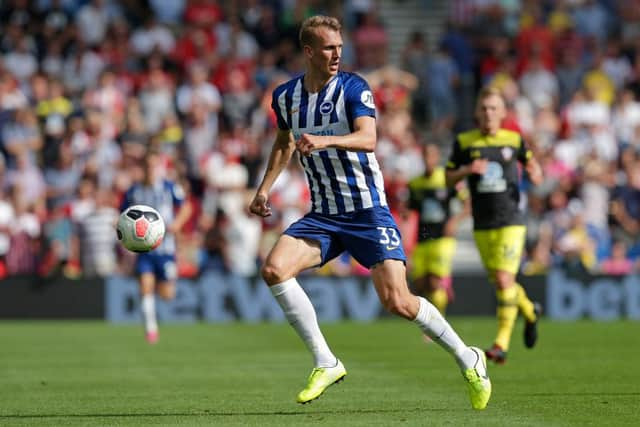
450,227
260,206
308,143
479,166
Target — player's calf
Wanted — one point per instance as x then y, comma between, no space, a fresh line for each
531,328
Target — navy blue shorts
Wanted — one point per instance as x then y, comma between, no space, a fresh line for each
163,266
369,235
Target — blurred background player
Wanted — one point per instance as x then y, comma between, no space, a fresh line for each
157,269
488,158
329,117
433,255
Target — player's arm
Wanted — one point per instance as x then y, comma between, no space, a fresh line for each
451,226
458,167
281,153
531,165
182,216
453,174
534,171
363,138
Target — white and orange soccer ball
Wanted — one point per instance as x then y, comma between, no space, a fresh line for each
140,228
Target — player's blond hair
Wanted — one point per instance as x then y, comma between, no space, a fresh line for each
308,29
489,91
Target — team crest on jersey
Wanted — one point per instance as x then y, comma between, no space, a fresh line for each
441,194
507,153
366,97
326,108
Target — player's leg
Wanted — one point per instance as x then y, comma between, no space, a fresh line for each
374,240
515,237
501,250
166,273
439,260
506,313
425,282
437,293
290,256
147,281
389,278
166,276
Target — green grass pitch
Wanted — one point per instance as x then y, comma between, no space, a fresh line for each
96,374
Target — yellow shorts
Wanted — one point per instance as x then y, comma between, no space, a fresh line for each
433,257
501,248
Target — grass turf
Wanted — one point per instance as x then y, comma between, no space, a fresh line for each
91,373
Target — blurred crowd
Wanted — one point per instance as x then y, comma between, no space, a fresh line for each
88,86
570,71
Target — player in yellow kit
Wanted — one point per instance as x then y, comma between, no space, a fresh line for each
433,256
488,158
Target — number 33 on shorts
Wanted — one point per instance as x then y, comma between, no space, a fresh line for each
389,237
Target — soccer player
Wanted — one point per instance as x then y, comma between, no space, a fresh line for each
433,256
156,269
328,116
488,157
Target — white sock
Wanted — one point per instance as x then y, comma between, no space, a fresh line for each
438,329
149,313
301,315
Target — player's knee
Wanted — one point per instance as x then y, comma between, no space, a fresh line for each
503,279
273,273
167,292
435,283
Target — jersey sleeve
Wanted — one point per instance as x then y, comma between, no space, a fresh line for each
278,109
455,158
359,99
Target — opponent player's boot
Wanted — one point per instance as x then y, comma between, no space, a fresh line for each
531,328
152,337
497,354
478,382
319,380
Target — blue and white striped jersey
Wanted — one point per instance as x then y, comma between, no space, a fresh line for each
340,181
164,196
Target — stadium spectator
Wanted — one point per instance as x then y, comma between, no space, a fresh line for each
625,210
97,240
152,37
26,238
100,77
618,264
198,92
22,135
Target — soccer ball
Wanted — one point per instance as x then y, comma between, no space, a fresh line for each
140,228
